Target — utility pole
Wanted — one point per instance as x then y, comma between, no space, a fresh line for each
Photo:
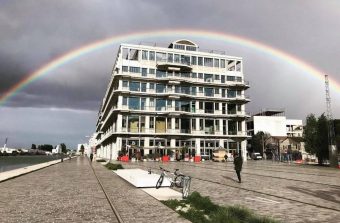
333,159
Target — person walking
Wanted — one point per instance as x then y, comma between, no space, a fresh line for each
91,157
238,165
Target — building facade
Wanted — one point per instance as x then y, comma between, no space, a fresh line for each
285,133
162,99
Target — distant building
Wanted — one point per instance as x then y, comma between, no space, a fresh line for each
57,149
285,133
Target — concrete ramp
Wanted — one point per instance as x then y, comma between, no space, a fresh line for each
141,178
163,194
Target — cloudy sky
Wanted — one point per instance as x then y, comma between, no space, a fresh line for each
63,105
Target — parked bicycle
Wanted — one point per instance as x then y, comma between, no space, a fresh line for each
178,180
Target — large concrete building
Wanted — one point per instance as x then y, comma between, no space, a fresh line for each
161,99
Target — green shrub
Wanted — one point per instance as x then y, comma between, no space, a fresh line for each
101,160
202,210
202,203
113,166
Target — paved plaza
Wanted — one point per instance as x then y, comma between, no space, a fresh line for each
70,192
289,193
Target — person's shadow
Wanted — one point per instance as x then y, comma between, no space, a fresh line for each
230,178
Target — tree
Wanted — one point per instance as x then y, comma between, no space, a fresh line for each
63,148
316,137
322,141
82,149
45,147
33,146
311,134
258,141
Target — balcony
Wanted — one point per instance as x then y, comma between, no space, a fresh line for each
180,65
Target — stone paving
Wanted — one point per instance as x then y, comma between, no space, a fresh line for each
289,193
70,192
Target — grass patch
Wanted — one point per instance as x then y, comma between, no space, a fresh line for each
101,160
113,166
200,209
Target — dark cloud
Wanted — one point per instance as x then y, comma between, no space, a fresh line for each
36,32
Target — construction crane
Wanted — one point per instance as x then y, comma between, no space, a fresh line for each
333,159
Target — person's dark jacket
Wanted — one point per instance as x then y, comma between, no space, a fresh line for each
238,163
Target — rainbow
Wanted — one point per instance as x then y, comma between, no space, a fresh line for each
187,33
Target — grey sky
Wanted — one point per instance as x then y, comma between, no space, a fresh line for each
33,32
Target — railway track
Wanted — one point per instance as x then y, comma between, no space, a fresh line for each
113,208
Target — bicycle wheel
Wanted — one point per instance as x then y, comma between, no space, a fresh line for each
160,181
179,181
186,187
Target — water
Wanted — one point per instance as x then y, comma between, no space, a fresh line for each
13,162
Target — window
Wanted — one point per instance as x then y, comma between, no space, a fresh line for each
230,78
200,105
125,68
144,72
216,63
238,66
152,123
200,76
208,62
176,123
133,55
143,87
142,103
144,55
134,86
201,125
193,90
200,61
160,73
209,92
134,69
160,88
222,79
231,93
177,58
223,93
180,47
194,75
170,57
151,55
152,86
191,48
169,103
194,60
125,83
185,59
239,79
208,78
217,77
160,104
217,105
200,89
124,121
217,90
134,103
125,54
152,71
152,102
222,63
125,100
160,56
168,120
